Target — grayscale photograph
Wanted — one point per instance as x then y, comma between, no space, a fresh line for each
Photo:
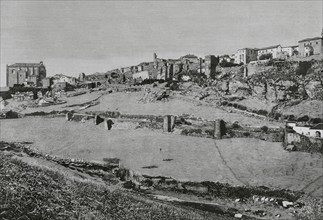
161,110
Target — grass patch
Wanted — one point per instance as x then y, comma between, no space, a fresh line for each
29,192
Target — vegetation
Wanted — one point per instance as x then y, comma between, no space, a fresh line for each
29,192
303,67
266,56
225,63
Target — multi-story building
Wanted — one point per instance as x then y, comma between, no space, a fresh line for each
275,51
311,46
290,50
21,73
245,55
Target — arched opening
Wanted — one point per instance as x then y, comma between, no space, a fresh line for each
318,134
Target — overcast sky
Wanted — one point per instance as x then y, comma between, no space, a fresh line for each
84,36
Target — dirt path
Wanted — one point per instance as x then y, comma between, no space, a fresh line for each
313,186
229,168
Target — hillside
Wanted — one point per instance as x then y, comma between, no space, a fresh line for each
30,192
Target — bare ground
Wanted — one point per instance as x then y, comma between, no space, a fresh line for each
235,161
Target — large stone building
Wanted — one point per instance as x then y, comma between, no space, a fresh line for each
22,73
311,46
275,51
245,55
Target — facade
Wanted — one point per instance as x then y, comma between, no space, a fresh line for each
274,50
245,55
310,46
46,82
60,78
141,75
290,50
20,73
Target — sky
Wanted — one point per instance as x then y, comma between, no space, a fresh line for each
71,37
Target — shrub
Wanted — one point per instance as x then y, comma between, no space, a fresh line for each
262,112
241,107
246,134
235,126
277,116
303,67
224,103
266,56
316,120
264,128
291,117
303,118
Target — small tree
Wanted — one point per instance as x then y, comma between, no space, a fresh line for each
266,56
264,129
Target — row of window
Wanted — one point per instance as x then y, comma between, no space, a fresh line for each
311,43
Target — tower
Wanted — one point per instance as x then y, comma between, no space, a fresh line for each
155,61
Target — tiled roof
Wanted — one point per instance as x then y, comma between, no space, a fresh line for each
271,47
248,48
308,39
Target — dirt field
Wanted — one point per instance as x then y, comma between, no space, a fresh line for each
126,103
235,161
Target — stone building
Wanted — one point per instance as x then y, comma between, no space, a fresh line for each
311,46
46,82
30,73
275,50
245,55
290,50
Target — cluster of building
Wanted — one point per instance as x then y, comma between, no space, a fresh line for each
34,74
306,47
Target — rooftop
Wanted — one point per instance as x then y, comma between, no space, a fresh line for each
270,47
308,39
189,56
26,64
248,48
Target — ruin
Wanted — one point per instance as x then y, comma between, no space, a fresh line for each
169,123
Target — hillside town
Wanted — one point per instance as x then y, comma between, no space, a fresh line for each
34,74
214,136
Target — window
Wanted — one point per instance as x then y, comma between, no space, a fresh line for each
317,42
